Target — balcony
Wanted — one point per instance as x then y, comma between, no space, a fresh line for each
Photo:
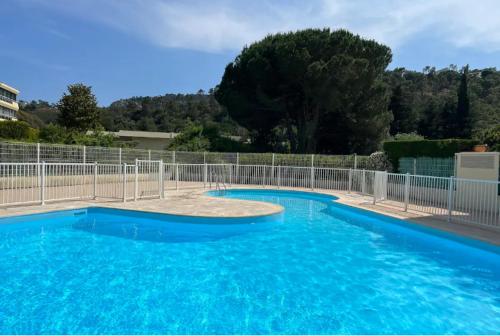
12,105
7,99
6,113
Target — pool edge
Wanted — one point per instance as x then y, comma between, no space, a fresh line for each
409,223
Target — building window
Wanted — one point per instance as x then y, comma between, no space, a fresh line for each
7,113
7,94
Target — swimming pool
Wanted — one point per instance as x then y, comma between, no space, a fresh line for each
319,267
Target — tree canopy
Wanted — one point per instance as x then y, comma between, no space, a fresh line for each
445,103
168,113
199,138
78,108
323,86
422,103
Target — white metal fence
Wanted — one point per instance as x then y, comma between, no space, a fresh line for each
11,152
464,200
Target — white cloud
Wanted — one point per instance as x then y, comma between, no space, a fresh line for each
219,25
36,61
57,33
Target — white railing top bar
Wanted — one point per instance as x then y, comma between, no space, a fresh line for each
37,152
247,165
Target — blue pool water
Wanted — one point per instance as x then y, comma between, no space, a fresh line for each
316,268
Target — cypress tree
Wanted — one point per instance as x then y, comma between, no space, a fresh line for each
397,108
463,107
405,119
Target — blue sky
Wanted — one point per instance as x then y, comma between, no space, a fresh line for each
126,48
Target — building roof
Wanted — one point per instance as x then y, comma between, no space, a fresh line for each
155,135
143,134
9,88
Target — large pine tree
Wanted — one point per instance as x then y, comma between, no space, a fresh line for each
324,86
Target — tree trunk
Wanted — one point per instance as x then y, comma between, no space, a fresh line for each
306,128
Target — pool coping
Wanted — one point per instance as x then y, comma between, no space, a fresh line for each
417,221
210,207
187,202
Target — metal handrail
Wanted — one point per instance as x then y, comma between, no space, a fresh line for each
7,99
220,185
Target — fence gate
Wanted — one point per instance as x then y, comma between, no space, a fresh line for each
149,179
380,186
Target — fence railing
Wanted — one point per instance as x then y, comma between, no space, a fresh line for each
463,200
37,153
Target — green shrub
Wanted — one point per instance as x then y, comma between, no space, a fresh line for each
53,134
408,137
97,138
58,134
378,161
200,138
429,148
491,137
17,130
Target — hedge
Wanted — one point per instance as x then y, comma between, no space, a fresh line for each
429,148
17,130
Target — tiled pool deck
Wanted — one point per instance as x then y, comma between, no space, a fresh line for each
193,202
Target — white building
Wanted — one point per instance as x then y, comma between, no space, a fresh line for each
8,102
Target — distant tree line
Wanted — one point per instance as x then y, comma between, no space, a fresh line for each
168,113
446,103
75,119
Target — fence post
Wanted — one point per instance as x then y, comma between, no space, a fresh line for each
312,171
376,181
83,172
38,162
205,157
263,176
42,184
407,190
176,176
455,165
450,197
38,153
414,166
271,179
279,177
120,155
355,161
363,182
95,180
84,154
136,180
384,185
230,175
312,178
160,180
124,180
350,180
237,167
173,157
205,173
